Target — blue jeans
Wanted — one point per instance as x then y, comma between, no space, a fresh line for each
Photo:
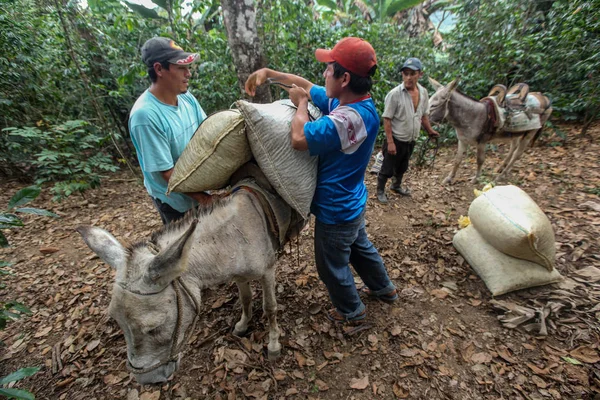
338,245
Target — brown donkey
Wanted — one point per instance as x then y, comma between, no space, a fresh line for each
471,120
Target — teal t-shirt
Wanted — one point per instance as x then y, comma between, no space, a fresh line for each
159,133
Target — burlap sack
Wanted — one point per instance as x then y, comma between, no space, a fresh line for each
292,173
217,149
509,220
500,272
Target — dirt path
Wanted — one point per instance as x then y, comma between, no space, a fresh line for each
442,340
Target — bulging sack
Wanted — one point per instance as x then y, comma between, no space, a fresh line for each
500,272
510,221
217,149
292,173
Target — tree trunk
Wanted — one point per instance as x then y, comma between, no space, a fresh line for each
242,36
416,19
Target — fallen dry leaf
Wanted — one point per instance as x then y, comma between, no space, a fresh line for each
48,250
586,354
322,386
396,330
300,358
150,395
360,383
42,332
92,345
481,358
400,391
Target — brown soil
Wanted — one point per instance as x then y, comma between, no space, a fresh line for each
442,340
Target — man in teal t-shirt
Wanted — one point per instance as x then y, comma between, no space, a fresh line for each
162,122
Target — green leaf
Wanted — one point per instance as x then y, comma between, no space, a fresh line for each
19,394
24,196
143,11
572,361
20,307
5,263
37,211
400,5
332,5
10,219
3,240
161,3
18,375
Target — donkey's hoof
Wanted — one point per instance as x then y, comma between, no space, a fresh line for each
240,332
474,180
274,354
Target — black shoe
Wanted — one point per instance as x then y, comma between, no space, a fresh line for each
400,190
382,198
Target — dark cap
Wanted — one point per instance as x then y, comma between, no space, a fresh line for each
413,63
354,54
161,49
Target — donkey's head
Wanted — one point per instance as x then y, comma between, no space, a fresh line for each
438,103
147,300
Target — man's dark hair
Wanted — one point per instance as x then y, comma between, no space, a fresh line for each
152,73
358,84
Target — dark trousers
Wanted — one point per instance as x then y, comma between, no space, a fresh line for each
167,213
396,165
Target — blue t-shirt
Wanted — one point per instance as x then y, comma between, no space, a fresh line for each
343,139
159,133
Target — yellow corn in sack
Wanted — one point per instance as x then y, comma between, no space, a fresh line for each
217,149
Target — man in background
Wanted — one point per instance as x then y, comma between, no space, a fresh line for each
406,109
162,122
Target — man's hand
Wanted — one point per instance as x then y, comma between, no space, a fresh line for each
202,198
298,94
255,79
434,134
391,148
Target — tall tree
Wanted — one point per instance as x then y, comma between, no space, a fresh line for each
242,36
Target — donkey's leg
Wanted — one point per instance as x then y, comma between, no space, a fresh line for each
521,146
513,146
246,299
457,160
480,160
270,309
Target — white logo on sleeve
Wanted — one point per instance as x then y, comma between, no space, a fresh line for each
350,128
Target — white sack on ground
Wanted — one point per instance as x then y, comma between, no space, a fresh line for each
500,272
292,173
217,149
509,220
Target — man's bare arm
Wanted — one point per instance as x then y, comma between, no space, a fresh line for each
261,76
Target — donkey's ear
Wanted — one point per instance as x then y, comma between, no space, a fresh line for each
436,85
454,84
171,261
104,245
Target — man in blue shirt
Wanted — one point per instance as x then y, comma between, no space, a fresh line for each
343,140
162,122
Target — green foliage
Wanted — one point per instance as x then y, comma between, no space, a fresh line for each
72,154
554,46
16,376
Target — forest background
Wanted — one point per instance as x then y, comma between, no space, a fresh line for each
71,70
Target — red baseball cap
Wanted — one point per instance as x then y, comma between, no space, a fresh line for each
354,54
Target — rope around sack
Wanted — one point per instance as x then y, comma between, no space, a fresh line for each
175,346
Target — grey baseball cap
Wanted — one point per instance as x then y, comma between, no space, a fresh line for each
413,63
161,49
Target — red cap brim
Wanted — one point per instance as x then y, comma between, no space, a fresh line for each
323,55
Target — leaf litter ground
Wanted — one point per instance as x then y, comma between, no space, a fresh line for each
446,338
